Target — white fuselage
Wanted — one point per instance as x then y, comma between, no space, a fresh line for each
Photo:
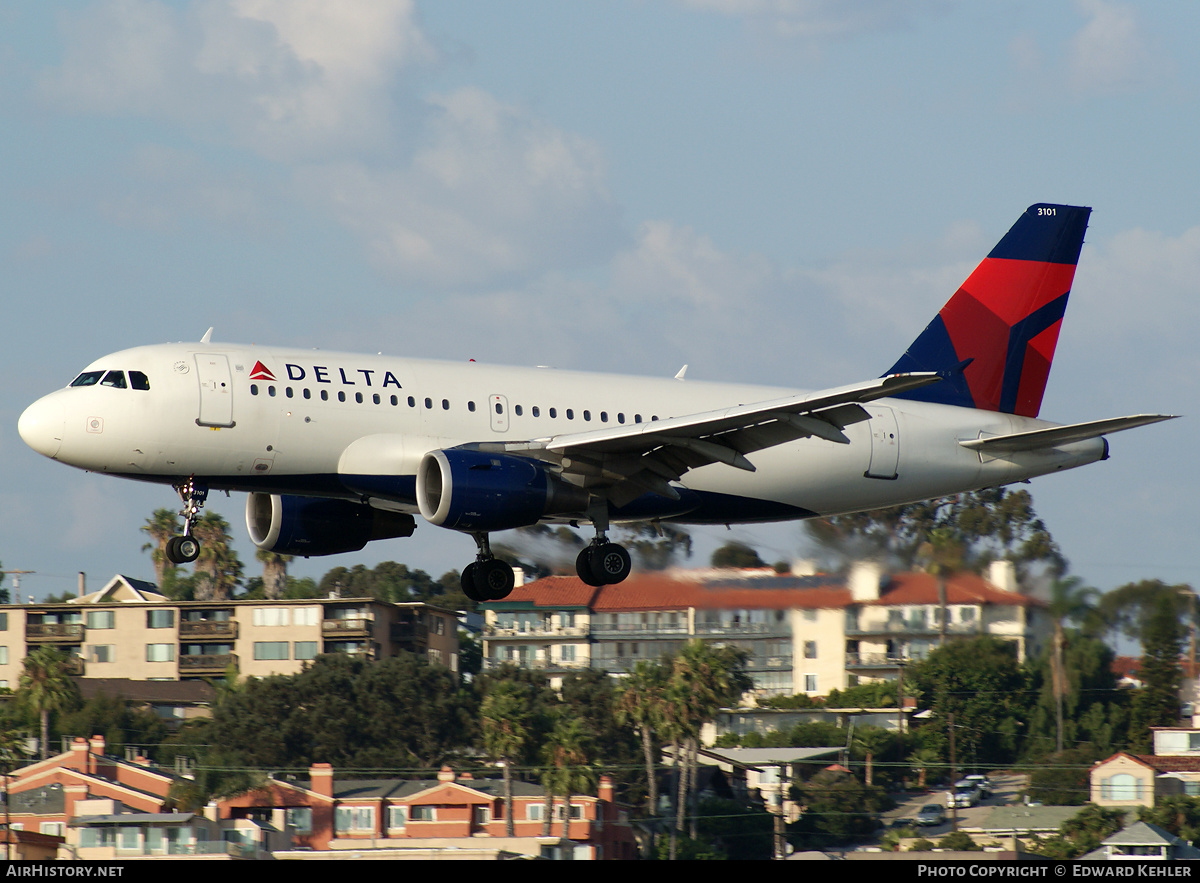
212,412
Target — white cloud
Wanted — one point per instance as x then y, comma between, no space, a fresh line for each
296,78
457,189
818,19
1109,53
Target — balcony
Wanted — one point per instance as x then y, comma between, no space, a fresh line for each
208,663
535,633
538,664
874,660
915,628
338,629
54,632
209,630
639,629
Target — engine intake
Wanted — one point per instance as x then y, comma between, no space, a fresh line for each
294,525
477,491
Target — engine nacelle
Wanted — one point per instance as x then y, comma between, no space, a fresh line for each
294,525
477,491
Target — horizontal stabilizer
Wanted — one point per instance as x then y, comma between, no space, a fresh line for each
1055,436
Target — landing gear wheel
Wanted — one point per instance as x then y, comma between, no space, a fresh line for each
609,562
583,567
494,579
182,550
468,583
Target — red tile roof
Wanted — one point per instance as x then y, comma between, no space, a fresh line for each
679,590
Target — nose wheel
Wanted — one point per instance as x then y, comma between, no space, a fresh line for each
186,548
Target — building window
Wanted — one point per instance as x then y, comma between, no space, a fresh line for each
160,652
270,649
397,817
103,653
810,649
1122,786
270,616
306,650
422,813
810,683
101,619
568,653
4,655
355,818
566,619
160,619
300,818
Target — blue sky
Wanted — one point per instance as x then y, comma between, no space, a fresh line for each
778,191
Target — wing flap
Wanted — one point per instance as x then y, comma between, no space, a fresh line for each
1055,436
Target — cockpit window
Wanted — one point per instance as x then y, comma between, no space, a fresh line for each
88,378
114,379
138,380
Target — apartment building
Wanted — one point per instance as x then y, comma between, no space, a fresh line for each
126,630
804,632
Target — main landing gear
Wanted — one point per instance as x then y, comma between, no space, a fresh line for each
186,548
602,563
487,578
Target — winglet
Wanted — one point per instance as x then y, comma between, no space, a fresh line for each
207,336
682,371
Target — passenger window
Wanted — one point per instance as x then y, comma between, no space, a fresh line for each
324,395
517,410
358,397
375,398
570,413
445,404
307,393
138,380
341,395
471,407
587,415
553,413
115,379
88,378
536,411
604,416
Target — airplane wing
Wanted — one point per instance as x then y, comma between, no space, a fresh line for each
1060,435
628,461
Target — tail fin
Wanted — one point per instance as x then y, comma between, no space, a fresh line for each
994,340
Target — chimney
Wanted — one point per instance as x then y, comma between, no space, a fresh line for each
79,751
606,788
322,778
82,584
866,577
445,774
95,752
804,567
518,577
1003,575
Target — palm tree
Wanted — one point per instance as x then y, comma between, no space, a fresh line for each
161,526
45,687
567,750
703,680
12,752
275,567
641,704
217,568
923,759
1070,599
943,553
505,734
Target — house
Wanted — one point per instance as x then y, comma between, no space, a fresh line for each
804,632
98,806
1142,842
455,811
1127,779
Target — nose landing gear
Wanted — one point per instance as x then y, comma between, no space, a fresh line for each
186,548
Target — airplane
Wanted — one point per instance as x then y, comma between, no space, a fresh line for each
336,450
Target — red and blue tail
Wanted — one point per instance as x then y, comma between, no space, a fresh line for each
994,340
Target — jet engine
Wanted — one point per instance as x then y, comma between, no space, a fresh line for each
295,525
477,491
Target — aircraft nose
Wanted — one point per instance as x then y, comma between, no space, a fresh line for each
41,426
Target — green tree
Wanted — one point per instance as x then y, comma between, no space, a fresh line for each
1070,599
46,687
1156,704
1063,778
568,752
218,569
160,526
505,735
641,705
735,554
275,572
838,810
988,524
979,683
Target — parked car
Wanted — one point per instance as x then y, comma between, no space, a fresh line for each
963,795
980,781
931,814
